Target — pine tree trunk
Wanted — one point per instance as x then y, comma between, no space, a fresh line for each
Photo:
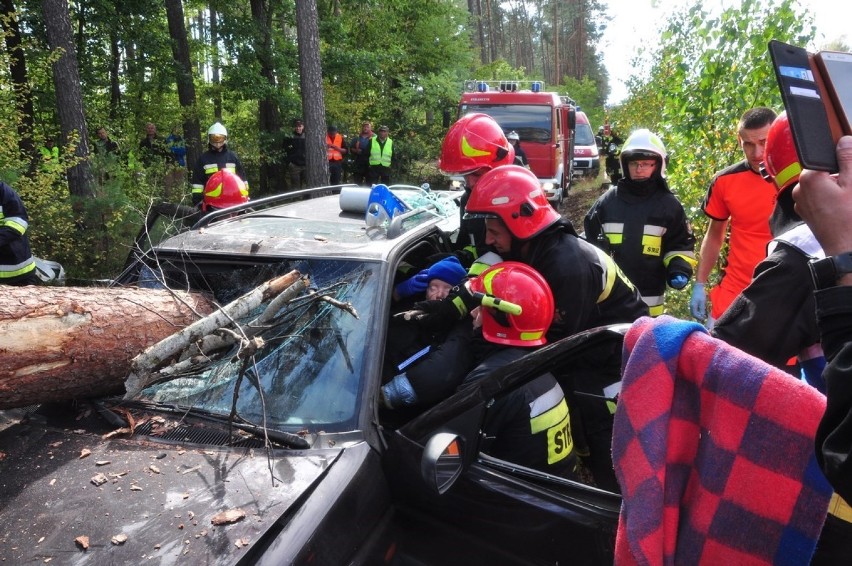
69,94
269,120
185,84
313,95
62,343
19,77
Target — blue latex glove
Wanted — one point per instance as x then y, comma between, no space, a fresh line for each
678,280
698,302
398,392
413,285
812,372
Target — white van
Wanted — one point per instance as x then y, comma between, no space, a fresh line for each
587,161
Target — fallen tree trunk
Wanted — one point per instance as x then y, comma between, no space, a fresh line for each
199,341
61,343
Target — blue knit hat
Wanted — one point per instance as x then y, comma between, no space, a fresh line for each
449,270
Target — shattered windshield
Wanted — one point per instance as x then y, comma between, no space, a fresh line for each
293,365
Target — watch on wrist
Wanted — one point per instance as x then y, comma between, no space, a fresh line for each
827,271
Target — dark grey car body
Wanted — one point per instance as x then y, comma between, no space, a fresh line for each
331,480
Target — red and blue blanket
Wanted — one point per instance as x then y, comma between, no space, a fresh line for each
714,453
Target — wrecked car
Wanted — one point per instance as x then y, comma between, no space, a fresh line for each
273,449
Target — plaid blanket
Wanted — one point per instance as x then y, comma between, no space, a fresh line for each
714,453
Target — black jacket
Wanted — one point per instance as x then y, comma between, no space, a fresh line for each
774,317
646,232
834,435
17,264
531,425
588,288
208,163
294,148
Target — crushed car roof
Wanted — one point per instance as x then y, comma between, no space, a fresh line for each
313,227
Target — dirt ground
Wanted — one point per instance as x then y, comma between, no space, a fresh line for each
580,198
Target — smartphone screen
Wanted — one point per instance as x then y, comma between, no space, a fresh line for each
805,105
838,71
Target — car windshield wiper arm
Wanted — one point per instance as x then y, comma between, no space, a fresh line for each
284,438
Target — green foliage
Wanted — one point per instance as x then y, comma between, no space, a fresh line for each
403,69
587,96
707,70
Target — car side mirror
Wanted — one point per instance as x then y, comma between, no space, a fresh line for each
442,461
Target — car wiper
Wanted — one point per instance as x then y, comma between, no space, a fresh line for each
284,438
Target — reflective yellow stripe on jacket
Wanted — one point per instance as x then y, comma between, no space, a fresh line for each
9,271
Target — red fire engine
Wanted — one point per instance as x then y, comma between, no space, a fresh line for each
544,121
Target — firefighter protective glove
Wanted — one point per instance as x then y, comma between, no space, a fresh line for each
464,301
698,302
678,280
413,285
434,315
440,315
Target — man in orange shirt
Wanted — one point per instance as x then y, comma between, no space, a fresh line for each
738,194
335,148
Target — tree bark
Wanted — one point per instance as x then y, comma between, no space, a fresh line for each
313,96
62,343
199,342
20,78
69,95
268,115
214,63
114,81
183,74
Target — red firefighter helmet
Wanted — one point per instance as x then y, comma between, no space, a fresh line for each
475,142
522,285
780,160
224,189
513,194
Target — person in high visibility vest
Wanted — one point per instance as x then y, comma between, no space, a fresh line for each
336,149
49,155
17,264
381,154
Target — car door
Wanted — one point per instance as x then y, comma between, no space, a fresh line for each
519,515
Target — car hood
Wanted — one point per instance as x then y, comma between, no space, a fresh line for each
162,497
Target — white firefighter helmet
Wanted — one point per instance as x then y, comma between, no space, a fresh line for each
644,144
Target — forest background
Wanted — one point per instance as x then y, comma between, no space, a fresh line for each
254,65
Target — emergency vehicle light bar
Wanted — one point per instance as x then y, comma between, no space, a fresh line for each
502,86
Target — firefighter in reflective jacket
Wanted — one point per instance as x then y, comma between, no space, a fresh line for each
217,157
588,288
642,225
531,425
17,264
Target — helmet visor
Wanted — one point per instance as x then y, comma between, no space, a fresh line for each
217,138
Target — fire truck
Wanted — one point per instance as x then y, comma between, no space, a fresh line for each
544,121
